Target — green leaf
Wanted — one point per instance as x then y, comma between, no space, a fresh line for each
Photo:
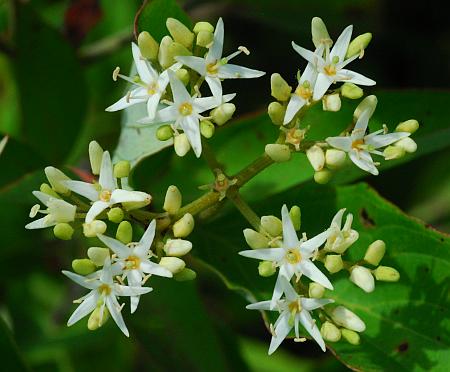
14,361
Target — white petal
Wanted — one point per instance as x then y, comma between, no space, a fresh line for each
290,239
165,115
146,240
312,272
311,57
341,143
106,274
266,254
141,64
230,71
337,219
86,307
155,269
114,309
180,94
215,52
196,63
116,246
310,327
285,274
125,290
88,190
383,140
314,303
123,196
354,77
43,197
294,105
84,281
361,124
134,279
207,103
216,88
96,208
128,100
191,127
288,290
341,45
41,223
262,305
281,331
152,105
312,244
106,179
322,84
364,161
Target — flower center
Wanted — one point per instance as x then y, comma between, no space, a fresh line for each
304,92
212,68
152,89
185,109
330,70
105,195
293,256
357,144
104,289
132,262
295,307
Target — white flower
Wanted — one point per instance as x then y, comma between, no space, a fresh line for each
106,193
185,112
341,238
359,146
331,68
214,68
134,260
293,309
293,258
150,85
104,292
57,211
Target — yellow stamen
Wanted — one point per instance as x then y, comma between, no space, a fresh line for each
357,144
105,195
185,109
330,70
132,262
212,68
293,256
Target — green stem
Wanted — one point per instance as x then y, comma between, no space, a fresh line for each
244,208
205,201
253,169
210,158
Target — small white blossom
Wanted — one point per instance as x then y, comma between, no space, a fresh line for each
341,238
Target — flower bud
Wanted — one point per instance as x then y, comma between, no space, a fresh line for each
90,230
407,144
393,152
350,336
98,255
223,113
171,50
277,152
46,189
164,132
335,159
95,157
333,263
63,231
352,91
124,232
180,33
163,54
368,103
348,319
173,200
375,252
358,44
83,266
386,274
181,144
146,200
177,247
316,157
207,128
363,278
183,75
56,179
276,112
174,264
279,88
409,126
255,239
122,169
184,226
296,217
272,225
148,46
203,26
331,102
316,290
205,38
323,177
320,33
97,319
330,332
185,275
115,215
266,269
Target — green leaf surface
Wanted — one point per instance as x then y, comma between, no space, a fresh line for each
14,361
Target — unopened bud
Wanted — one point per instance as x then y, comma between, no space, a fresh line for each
277,152
386,274
320,33
184,226
124,232
185,275
164,132
163,54
280,89
97,319
122,169
335,159
177,247
266,269
63,231
203,26
46,189
148,46
350,336
352,91
363,278
316,157
181,144
223,113
331,102
95,157
207,128
323,177
56,179
83,266
330,332
375,252
98,255
172,50
296,216
180,33
407,144
255,239
333,263
173,200
183,75
316,290
409,126
205,38
90,230
393,152
369,103
358,44
276,112
146,200
272,225
348,319
173,264
115,215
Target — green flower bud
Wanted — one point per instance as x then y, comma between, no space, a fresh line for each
363,278
56,179
350,336
335,159
174,264
330,332
207,128
320,33
316,157
184,226
183,75
164,132
279,88
122,169
352,91
316,290
276,112
331,102
205,38
148,46
272,225
83,266
348,319
124,232
97,319
90,230
173,200
203,26
46,189
333,263
115,215
163,54
181,144
185,275
177,247
375,252
358,44
368,103
277,152
407,144
98,255
255,239
393,152
180,33
386,274
63,231
409,126
266,269
323,177
95,157
296,216
223,113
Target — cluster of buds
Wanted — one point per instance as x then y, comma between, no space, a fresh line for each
184,60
